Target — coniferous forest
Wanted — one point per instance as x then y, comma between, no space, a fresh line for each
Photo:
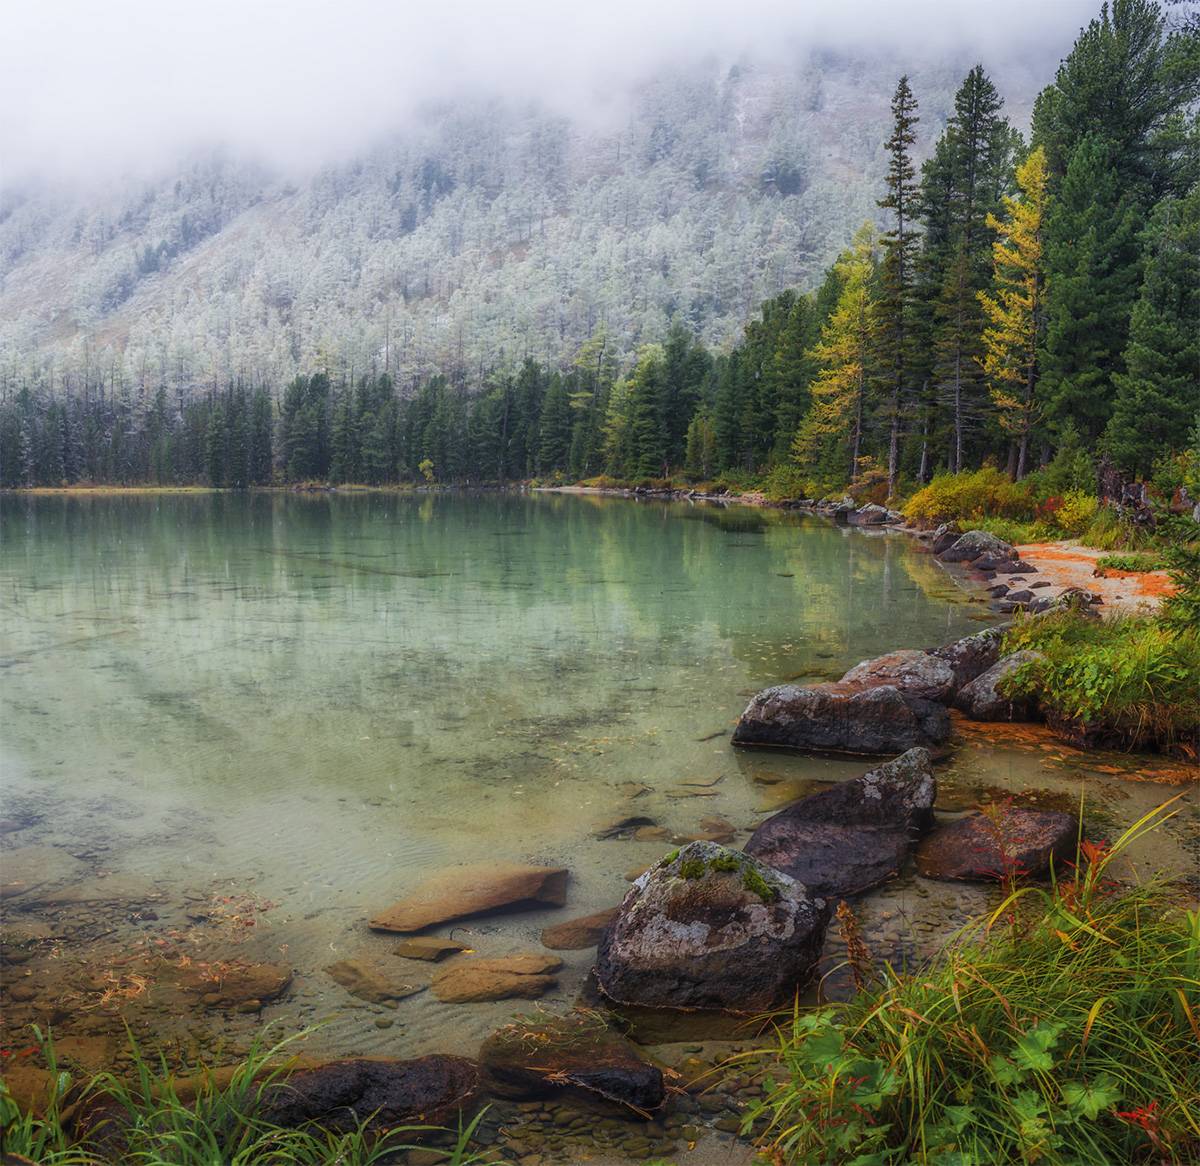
1016,300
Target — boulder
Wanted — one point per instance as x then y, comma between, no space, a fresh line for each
981,699
711,928
574,1054
842,718
368,983
473,890
340,1095
512,977
944,537
915,672
1013,567
854,835
972,655
578,934
869,515
1074,599
1013,842
970,546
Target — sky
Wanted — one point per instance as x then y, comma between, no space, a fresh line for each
88,86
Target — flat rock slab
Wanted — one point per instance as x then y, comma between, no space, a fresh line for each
854,835
578,934
842,718
368,983
428,948
574,1054
709,928
229,985
513,977
462,891
342,1094
1012,842
30,867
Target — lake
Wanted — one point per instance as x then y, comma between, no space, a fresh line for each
288,708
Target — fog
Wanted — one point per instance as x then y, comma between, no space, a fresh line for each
89,89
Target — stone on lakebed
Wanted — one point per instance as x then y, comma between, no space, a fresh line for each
578,934
855,835
340,1095
576,1054
511,977
993,846
473,890
711,928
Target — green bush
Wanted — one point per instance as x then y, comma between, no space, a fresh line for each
1076,513
788,482
985,493
1132,562
1059,1030
1125,681
1013,531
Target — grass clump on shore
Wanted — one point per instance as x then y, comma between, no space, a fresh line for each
1136,561
1126,681
1062,1029
152,1118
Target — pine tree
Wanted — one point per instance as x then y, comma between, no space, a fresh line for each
1092,261
554,442
830,439
1158,396
1014,308
260,454
896,333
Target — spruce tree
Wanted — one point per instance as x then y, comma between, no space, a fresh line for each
1092,277
896,310
1158,394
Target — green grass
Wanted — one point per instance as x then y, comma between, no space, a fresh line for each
1135,561
1061,1029
147,1120
1126,681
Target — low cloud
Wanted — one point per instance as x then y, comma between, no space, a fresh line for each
88,88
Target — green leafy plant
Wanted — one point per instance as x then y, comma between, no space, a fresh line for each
1060,1029
1137,561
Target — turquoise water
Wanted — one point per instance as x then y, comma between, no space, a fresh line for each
311,701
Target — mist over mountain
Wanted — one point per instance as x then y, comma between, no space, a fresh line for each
477,231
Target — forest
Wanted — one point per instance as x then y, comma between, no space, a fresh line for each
1014,300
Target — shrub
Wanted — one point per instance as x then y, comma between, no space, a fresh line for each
787,482
1061,1029
1128,681
983,493
1132,562
1181,612
1076,512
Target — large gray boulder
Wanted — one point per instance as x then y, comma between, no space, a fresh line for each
982,699
870,515
915,672
856,835
842,718
970,546
972,655
711,928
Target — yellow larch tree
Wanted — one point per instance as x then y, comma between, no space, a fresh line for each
1014,308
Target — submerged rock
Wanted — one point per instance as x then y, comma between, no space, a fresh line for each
368,983
981,700
338,1096
711,928
578,934
520,977
430,948
474,890
914,672
856,835
573,1054
1012,842
842,718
